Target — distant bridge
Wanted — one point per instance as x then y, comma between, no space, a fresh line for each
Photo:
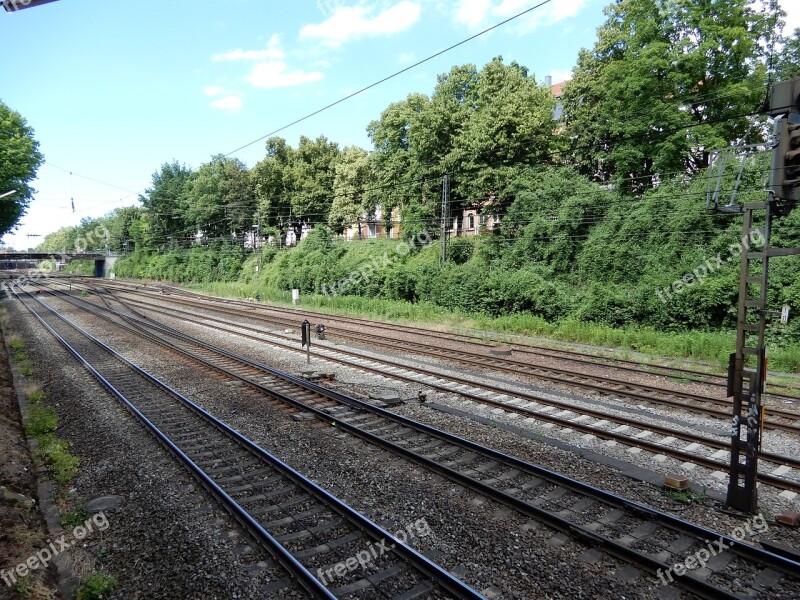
103,262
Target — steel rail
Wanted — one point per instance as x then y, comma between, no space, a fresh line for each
689,581
304,576
630,440
563,376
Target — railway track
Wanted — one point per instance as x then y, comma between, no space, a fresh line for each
679,373
776,470
649,539
607,386
305,528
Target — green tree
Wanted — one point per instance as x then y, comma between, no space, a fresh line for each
162,201
511,126
666,82
394,162
312,174
217,199
788,60
352,177
19,161
270,180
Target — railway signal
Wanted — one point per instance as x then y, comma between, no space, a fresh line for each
305,338
748,367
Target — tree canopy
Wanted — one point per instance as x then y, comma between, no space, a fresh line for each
666,82
19,161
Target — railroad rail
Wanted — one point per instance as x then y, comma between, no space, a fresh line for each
304,527
480,340
777,470
650,539
693,403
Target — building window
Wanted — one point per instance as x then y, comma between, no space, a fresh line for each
471,222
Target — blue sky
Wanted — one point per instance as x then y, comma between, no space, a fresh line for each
114,89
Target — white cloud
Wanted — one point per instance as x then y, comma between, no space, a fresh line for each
271,52
229,103
405,59
559,76
472,12
352,22
212,90
480,13
276,74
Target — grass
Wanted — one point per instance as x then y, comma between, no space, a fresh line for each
74,518
95,586
36,397
26,369
689,496
41,421
41,424
23,586
707,346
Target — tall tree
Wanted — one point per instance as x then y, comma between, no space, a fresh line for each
352,177
312,173
217,200
666,82
19,160
270,180
788,60
162,201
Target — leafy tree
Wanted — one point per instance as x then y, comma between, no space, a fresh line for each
788,64
217,198
511,126
162,201
352,177
394,161
270,180
312,174
666,82
19,160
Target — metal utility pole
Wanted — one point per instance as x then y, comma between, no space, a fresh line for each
445,218
748,366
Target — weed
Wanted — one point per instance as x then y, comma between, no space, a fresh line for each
41,421
17,345
23,587
36,397
40,424
55,451
96,586
689,496
26,369
74,518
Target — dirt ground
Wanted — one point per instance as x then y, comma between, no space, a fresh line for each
22,528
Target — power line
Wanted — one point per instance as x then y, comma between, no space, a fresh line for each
392,76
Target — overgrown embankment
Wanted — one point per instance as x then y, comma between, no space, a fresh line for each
657,274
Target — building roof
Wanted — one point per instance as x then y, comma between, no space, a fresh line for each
557,88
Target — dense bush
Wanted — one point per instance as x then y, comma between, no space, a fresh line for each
568,251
